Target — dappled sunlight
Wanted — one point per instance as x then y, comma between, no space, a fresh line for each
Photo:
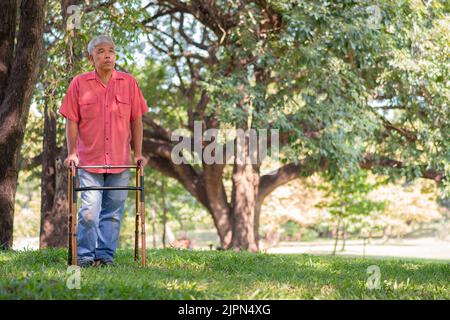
4,258
220,275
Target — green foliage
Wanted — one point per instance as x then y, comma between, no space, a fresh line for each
334,75
330,76
291,228
415,89
348,195
294,232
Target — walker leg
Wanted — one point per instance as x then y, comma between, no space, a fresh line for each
136,227
69,217
144,247
74,219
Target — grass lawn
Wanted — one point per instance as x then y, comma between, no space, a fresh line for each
180,274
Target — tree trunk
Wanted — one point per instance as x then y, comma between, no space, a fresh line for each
18,75
218,204
164,215
386,234
337,235
258,206
153,227
344,236
53,230
244,200
245,183
53,190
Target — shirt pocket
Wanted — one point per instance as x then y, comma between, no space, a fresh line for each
88,107
124,106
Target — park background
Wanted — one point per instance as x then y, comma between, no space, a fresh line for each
358,90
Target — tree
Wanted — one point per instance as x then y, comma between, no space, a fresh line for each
349,200
19,66
409,206
53,226
320,72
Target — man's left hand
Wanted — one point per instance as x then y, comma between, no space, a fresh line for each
142,158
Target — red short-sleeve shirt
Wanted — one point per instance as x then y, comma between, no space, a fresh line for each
103,113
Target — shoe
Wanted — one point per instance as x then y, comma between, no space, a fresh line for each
103,263
85,263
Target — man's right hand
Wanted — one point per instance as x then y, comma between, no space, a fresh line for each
71,157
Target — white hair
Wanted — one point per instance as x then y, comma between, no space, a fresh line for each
97,40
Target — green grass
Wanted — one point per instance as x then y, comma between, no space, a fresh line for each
179,274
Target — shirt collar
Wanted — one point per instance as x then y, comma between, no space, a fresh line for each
115,75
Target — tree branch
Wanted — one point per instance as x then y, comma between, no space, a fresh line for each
286,173
372,161
292,171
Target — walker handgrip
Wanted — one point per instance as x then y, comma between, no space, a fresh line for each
108,188
108,166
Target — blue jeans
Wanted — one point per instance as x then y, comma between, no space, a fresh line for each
100,214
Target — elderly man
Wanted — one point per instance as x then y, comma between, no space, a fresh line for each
103,110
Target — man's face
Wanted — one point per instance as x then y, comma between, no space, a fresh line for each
103,57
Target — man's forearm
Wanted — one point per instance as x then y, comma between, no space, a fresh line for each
136,132
71,136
